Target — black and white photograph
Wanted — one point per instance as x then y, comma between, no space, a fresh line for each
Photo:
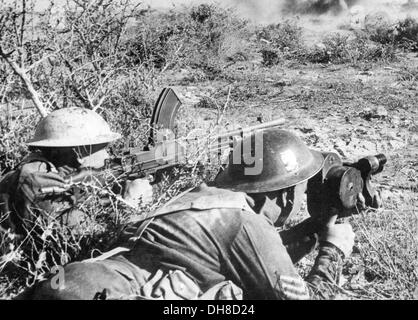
214,151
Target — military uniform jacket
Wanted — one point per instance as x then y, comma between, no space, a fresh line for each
28,192
213,235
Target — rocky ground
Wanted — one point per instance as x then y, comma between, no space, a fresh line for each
351,110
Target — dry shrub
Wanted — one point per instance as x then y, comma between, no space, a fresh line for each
202,37
402,34
388,251
86,68
78,61
27,259
16,128
408,73
280,41
338,48
48,242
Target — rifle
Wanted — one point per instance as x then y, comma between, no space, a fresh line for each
334,189
163,151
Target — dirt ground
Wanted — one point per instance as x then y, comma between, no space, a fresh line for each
354,111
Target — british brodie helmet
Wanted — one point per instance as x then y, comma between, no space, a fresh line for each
70,127
286,161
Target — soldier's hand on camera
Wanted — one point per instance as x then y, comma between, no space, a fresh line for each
137,192
377,201
340,235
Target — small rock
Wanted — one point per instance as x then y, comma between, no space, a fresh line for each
395,144
359,146
391,134
283,83
366,73
366,114
381,112
386,195
320,46
395,120
306,130
361,131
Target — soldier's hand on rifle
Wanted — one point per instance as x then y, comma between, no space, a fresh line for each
340,235
137,192
39,185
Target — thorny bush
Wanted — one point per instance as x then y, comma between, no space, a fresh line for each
203,37
80,61
403,34
279,41
337,48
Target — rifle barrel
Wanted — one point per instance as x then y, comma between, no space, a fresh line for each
241,131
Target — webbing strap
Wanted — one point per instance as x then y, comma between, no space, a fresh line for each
108,254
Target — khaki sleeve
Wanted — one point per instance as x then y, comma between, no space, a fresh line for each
267,271
39,191
263,263
325,274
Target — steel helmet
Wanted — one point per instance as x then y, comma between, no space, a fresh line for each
69,127
286,161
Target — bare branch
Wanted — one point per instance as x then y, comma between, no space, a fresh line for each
28,84
99,104
89,99
41,60
4,90
23,22
220,116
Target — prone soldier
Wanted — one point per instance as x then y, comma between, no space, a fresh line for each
221,241
65,141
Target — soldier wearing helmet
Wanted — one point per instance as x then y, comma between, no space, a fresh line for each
221,241
64,142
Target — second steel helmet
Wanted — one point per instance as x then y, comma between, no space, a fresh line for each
70,127
285,161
